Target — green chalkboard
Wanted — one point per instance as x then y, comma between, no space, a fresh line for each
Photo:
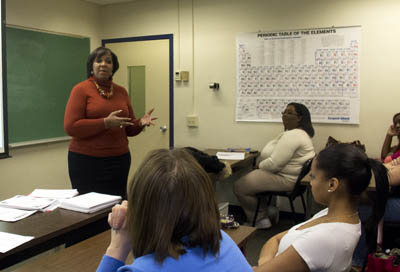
42,68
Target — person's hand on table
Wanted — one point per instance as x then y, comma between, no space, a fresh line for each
147,120
120,246
112,120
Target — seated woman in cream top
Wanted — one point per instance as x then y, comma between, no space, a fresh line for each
326,242
280,162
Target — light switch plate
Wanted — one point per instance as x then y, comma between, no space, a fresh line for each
192,120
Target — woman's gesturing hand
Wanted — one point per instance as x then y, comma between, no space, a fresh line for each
147,120
112,120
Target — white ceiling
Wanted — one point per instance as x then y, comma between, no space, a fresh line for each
108,2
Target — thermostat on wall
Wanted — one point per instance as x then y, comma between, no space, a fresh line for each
178,76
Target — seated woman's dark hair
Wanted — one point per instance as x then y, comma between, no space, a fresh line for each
350,164
394,117
305,122
172,206
98,53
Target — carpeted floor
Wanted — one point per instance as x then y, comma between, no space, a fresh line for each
256,242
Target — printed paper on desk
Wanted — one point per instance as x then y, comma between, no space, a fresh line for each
12,215
26,202
53,205
9,241
54,193
230,156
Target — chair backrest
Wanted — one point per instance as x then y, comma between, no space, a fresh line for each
298,187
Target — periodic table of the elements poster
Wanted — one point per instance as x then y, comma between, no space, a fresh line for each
319,68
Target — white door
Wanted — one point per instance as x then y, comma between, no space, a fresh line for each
151,58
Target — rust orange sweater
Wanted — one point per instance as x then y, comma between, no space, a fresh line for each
84,120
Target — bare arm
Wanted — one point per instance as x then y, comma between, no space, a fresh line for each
386,147
270,248
393,172
288,261
119,247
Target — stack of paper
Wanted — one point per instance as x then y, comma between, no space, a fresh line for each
230,155
90,202
56,193
26,203
12,215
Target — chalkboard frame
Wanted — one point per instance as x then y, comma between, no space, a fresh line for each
4,154
65,56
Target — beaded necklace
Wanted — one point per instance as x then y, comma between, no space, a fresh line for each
104,93
341,216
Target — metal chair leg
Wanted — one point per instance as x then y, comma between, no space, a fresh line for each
304,205
256,213
269,200
293,212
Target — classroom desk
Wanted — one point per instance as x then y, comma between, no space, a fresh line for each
50,230
86,255
61,226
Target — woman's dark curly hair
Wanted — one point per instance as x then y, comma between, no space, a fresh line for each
98,53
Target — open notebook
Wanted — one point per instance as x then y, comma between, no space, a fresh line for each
90,202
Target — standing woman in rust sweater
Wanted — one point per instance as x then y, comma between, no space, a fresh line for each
99,117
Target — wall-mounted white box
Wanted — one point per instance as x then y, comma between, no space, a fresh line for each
192,120
178,76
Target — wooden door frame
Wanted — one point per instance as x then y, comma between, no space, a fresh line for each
170,38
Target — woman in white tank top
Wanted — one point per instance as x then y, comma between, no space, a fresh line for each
326,242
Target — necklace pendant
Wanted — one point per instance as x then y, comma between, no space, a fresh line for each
104,93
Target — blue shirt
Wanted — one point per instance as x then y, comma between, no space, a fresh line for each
230,258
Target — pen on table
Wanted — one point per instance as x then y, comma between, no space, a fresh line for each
239,149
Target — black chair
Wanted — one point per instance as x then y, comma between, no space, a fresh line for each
391,235
298,190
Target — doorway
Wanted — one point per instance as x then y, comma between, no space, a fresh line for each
146,72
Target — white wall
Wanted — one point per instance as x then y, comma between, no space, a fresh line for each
45,166
74,17
211,58
204,44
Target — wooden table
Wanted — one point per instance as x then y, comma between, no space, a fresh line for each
50,230
86,255
62,226
240,236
